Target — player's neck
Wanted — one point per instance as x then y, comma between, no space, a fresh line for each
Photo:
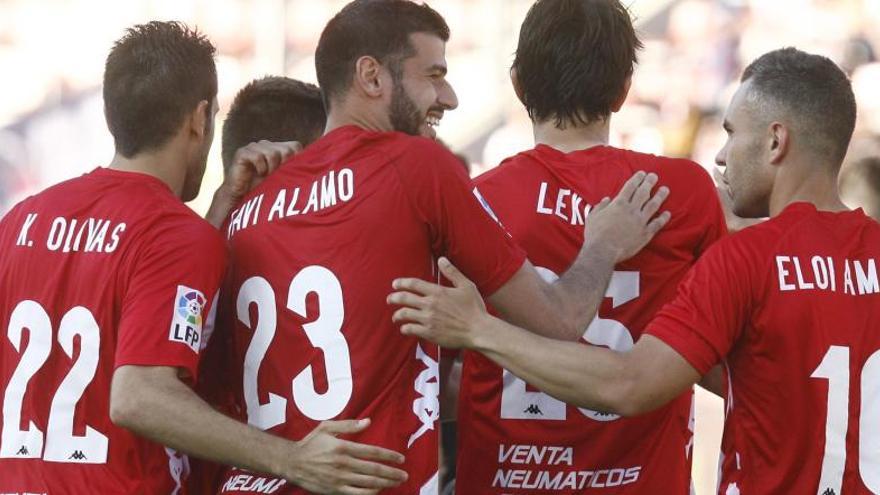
572,137
164,164
341,115
808,184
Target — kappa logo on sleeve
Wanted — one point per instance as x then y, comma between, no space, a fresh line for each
485,205
488,209
186,324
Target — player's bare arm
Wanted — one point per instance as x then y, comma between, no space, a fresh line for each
713,381
153,402
629,383
616,230
251,165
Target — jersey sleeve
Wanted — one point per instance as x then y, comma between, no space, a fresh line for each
712,211
698,208
461,228
711,308
172,280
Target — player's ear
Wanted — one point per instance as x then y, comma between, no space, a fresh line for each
779,138
618,103
198,119
370,78
514,80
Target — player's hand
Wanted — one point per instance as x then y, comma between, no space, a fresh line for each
323,463
253,163
448,316
250,166
624,225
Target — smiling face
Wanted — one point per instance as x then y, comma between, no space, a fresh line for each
748,174
421,94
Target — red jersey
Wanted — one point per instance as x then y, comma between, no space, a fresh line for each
314,251
792,306
106,270
514,439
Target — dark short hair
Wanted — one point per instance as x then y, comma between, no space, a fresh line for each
375,28
813,91
574,59
156,74
275,109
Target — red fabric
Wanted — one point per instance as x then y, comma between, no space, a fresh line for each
756,299
156,261
514,439
326,269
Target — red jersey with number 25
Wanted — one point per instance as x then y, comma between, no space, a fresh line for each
105,270
792,306
514,439
314,251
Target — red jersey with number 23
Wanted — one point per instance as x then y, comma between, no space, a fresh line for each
314,251
105,270
792,307
514,439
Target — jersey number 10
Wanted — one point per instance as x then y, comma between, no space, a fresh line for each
835,368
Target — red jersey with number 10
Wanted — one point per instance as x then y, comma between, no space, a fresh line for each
792,306
514,439
314,251
105,270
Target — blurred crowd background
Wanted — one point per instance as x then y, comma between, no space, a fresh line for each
52,55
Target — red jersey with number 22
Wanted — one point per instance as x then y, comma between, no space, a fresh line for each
314,251
792,307
105,270
514,439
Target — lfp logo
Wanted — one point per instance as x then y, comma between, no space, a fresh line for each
190,305
186,322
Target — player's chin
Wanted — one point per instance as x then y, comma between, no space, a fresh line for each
190,192
745,208
428,131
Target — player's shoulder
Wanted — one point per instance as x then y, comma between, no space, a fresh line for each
512,169
418,146
53,197
64,189
755,241
176,216
420,158
671,170
165,216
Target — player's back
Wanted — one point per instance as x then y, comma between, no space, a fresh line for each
315,249
804,366
76,302
538,444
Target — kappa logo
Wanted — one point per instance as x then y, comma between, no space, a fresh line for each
829,491
77,455
186,322
485,205
534,409
427,406
22,451
490,211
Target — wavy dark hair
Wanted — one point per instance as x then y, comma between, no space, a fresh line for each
574,58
